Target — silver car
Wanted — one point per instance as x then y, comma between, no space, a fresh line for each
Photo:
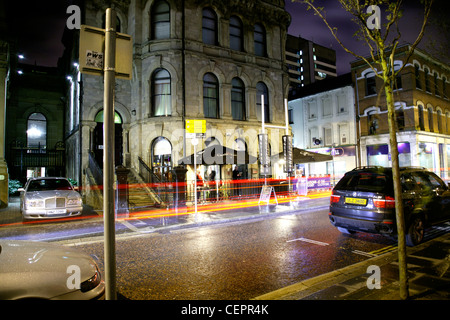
39,270
49,197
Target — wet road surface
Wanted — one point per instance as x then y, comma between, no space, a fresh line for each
235,260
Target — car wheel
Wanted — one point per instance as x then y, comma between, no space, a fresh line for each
415,232
345,230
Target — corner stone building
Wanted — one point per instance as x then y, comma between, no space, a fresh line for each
193,59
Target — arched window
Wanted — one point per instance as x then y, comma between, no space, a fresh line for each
436,85
371,85
210,96
439,120
444,88
430,119
417,76
237,99
427,80
259,36
421,118
236,34
161,95
161,157
447,122
99,117
160,20
400,118
209,27
37,131
372,122
261,90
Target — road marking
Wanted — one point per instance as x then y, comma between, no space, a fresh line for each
310,241
383,250
362,253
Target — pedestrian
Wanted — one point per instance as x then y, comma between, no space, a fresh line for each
199,184
236,175
212,185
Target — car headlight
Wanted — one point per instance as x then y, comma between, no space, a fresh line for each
92,282
34,203
74,202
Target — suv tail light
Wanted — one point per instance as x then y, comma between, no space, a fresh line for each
334,199
385,203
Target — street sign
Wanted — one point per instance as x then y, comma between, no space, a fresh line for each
287,152
264,150
195,126
92,52
266,192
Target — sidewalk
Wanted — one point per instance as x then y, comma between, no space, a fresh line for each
428,278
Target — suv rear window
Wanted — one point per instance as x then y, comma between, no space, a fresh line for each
368,181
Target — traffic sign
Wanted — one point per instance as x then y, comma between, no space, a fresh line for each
92,52
195,126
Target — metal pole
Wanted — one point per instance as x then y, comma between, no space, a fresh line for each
108,156
195,142
263,129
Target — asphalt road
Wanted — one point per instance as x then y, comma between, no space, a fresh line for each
239,260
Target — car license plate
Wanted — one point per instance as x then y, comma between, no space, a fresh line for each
356,201
58,211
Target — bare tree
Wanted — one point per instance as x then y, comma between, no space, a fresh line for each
382,42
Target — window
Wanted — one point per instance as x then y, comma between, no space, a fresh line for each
444,87
160,18
100,115
436,85
161,96
261,90
237,99
400,119
430,119
417,76
372,122
37,131
209,27
210,96
328,137
446,122
259,36
398,81
421,119
327,106
439,120
236,34
371,86
161,158
427,81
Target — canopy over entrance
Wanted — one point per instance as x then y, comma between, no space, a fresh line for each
218,154
303,156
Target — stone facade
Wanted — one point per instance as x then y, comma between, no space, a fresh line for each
168,38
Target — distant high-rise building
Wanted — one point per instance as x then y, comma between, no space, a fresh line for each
308,62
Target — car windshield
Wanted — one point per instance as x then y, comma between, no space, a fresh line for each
366,181
49,184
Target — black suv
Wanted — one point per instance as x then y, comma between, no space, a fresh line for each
363,200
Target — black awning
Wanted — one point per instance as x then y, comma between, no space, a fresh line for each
303,156
218,154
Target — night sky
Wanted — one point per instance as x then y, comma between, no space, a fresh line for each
39,26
